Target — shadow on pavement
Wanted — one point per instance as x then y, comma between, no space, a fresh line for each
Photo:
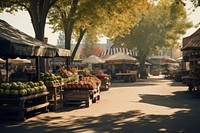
174,83
124,122
152,81
180,99
127,122
184,120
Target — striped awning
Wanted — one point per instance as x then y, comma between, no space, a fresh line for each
112,51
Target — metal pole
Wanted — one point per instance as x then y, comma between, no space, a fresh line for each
7,70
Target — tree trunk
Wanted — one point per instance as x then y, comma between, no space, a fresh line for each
82,33
142,68
38,11
68,29
67,46
142,62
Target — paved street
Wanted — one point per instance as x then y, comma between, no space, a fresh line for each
147,106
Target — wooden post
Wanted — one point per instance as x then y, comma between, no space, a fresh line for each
37,60
7,70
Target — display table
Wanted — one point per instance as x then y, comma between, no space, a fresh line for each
79,96
16,107
127,77
55,96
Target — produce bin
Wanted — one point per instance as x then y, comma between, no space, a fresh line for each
105,81
81,96
86,91
17,107
55,97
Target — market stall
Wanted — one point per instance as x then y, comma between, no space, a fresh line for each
157,64
192,48
17,99
93,60
127,77
99,73
13,44
125,64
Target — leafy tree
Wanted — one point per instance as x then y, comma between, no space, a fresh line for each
61,40
75,17
37,9
90,46
196,2
160,27
88,50
98,50
109,17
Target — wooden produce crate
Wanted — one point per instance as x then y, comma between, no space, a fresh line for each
17,107
81,96
55,97
105,83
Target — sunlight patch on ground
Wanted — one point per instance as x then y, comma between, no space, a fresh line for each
162,130
150,109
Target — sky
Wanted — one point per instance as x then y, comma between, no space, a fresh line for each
21,20
193,16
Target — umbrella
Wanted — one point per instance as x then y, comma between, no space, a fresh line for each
162,60
19,61
167,59
121,58
93,60
2,61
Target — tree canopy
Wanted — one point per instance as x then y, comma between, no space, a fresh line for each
109,17
160,26
90,46
37,9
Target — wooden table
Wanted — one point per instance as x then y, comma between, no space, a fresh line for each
16,107
126,77
55,97
81,96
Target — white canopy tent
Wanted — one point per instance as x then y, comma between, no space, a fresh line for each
93,60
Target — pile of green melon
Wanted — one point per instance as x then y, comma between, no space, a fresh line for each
22,89
50,79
